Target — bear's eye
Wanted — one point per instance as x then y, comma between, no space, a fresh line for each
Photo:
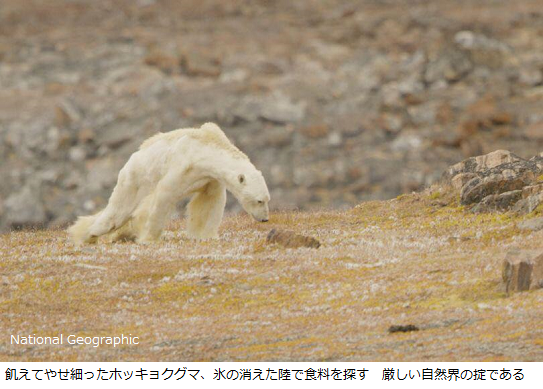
260,202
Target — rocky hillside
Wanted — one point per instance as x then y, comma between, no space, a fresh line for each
427,276
336,101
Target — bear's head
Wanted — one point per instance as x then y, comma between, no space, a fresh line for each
252,192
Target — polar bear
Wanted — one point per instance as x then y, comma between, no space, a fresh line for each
201,163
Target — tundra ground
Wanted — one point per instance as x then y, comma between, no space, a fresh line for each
411,260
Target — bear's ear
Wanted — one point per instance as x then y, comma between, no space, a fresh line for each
241,178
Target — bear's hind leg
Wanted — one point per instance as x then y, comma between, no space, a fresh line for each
121,204
122,234
205,211
134,226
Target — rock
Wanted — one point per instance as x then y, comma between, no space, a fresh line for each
196,64
500,202
462,179
276,108
482,162
529,204
470,41
391,123
532,196
450,65
499,181
235,75
528,191
118,137
482,50
534,224
291,240
402,328
25,208
277,138
281,109
480,187
77,154
56,140
406,142
522,270
315,131
167,63
66,113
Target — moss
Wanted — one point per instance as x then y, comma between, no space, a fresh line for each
501,234
465,294
481,291
146,275
32,285
174,291
538,211
435,195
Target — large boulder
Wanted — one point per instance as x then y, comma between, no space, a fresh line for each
522,270
481,163
498,181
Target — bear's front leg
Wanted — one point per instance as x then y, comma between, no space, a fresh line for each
205,211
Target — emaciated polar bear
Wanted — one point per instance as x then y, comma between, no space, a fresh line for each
201,163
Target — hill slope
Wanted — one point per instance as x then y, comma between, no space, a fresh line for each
411,260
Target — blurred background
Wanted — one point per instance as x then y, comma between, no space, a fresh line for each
335,101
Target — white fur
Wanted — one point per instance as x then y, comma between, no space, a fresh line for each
201,163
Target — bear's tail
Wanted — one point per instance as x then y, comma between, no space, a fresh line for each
79,232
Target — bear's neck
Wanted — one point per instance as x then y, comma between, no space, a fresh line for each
226,169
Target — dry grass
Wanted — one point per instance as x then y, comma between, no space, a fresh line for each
411,260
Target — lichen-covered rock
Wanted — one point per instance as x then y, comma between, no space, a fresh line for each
462,179
499,202
498,181
289,239
481,163
480,187
522,270
528,204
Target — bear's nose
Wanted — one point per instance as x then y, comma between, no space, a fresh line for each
264,220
